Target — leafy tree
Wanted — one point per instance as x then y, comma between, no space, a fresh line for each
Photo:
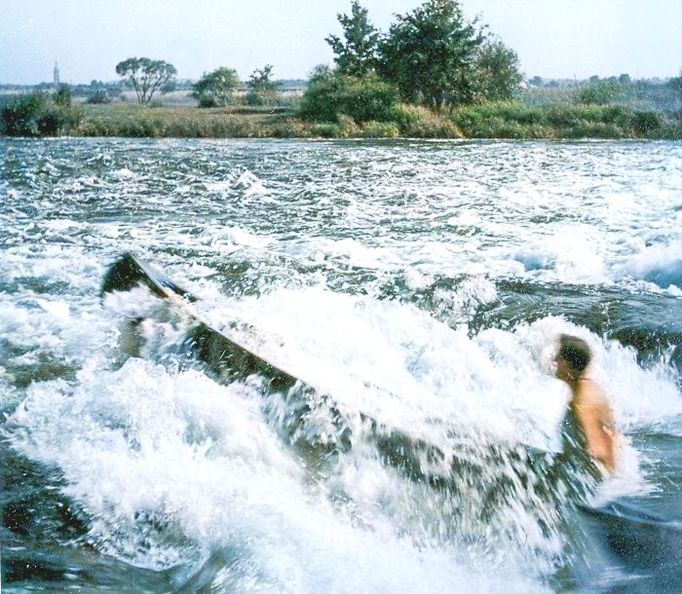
320,71
262,90
498,74
146,76
357,55
430,54
217,88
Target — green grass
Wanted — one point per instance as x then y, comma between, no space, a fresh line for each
562,120
184,122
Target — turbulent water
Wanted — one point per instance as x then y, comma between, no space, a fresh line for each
421,285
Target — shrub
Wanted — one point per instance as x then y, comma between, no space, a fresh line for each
369,99
217,88
261,89
503,119
363,99
646,122
562,115
320,101
617,115
599,93
347,127
38,115
520,113
290,129
100,96
587,129
207,102
63,96
19,116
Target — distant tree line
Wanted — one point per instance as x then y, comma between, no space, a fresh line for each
215,89
431,56
661,96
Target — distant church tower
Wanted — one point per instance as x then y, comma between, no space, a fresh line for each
56,75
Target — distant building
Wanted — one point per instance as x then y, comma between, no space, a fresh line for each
56,75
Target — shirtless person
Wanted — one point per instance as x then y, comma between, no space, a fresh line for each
588,403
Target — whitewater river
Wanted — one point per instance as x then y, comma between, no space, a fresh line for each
418,284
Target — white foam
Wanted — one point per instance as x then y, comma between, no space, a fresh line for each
422,378
125,174
573,253
660,264
139,443
59,309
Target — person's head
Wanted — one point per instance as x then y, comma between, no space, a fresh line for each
572,358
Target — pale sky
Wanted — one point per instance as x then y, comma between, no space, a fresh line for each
553,38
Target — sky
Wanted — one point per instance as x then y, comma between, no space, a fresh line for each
553,38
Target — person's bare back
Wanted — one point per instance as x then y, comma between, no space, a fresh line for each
596,419
588,402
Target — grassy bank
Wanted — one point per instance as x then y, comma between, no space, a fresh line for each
241,122
492,120
514,120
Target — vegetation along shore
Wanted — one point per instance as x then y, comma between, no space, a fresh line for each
431,75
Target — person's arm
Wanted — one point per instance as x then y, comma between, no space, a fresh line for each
593,419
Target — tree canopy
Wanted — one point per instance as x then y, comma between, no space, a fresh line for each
430,54
146,76
497,67
357,54
216,89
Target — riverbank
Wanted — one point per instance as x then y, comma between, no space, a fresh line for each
494,120
504,120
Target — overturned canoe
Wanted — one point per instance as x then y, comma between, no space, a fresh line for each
227,359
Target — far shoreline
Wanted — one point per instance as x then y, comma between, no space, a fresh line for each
509,120
504,120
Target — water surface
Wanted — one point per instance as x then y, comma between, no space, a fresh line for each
420,283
